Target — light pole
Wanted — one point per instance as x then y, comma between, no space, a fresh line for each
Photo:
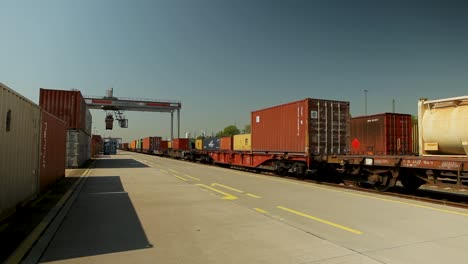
365,101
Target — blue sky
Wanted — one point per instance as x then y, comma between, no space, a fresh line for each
224,59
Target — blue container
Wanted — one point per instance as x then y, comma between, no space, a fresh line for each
211,143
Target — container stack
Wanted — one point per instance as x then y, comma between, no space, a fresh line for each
110,146
71,107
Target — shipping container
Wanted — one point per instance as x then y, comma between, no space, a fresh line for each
415,137
169,144
53,149
199,144
69,106
150,143
211,144
139,145
124,146
19,149
381,134
78,148
443,126
309,126
97,145
164,145
155,143
180,143
110,146
242,142
225,143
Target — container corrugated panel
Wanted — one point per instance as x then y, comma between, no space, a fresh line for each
53,149
242,142
78,148
146,144
180,143
164,144
415,137
19,149
155,143
381,134
125,146
212,143
309,126
69,106
97,145
225,143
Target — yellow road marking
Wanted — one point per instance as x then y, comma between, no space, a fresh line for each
191,177
356,194
227,196
321,220
227,187
163,171
260,210
178,177
253,195
173,171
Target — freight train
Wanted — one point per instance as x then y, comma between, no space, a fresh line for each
316,137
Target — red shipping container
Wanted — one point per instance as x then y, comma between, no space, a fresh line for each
69,106
225,143
309,126
381,134
125,146
155,142
53,149
180,143
164,145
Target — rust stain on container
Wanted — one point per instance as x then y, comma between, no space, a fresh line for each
310,126
382,134
69,106
53,149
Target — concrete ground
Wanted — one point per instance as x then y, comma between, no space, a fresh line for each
144,209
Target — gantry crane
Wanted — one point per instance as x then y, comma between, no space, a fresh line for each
115,106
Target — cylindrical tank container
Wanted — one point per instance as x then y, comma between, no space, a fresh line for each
69,106
381,134
309,126
242,142
19,149
53,149
443,126
78,148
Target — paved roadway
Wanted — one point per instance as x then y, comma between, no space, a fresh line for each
136,208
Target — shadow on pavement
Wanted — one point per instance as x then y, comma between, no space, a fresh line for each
104,163
102,220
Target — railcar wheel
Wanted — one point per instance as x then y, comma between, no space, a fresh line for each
382,182
411,181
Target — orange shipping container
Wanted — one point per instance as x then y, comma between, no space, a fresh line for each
53,149
226,143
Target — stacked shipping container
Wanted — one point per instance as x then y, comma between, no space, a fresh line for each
71,107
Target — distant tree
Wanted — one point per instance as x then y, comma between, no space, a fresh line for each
228,131
200,137
247,129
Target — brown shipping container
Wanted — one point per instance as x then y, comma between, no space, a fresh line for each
53,149
225,143
310,126
97,145
180,143
381,134
69,106
124,146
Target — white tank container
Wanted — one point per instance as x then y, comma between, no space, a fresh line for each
443,126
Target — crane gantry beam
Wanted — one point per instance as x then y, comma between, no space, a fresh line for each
111,103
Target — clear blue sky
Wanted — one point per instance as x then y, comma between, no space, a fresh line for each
224,59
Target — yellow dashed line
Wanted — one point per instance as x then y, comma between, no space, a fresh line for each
260,210
321,220
227,196
163,171
191,177
173,171
227,187
253,195
181,178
